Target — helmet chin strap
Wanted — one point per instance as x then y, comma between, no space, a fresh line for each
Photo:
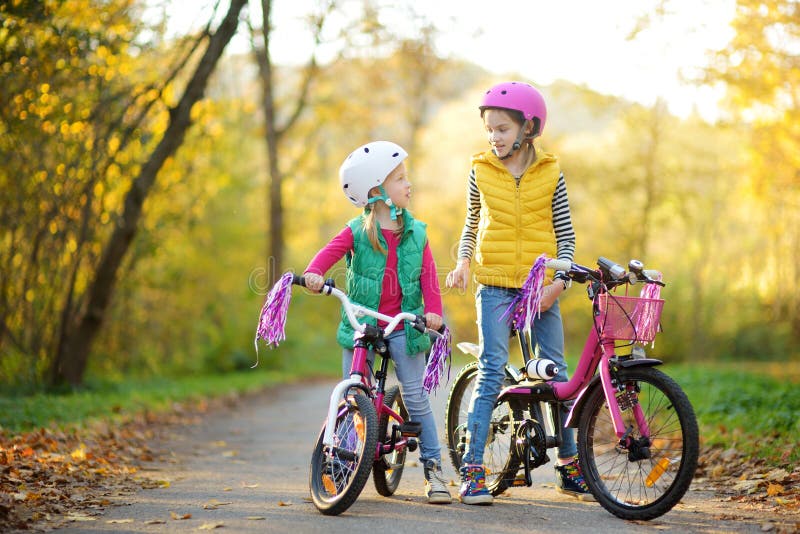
393,211
517,143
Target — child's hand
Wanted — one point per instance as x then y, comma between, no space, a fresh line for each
459,277
433,321
314,282
550,293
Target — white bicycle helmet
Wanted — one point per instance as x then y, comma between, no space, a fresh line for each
367,167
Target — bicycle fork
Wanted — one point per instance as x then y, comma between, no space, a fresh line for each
619,398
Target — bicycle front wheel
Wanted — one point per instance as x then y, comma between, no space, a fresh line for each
339,473
644,477
499,456
388,469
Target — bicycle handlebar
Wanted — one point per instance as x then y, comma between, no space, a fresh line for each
354,311
610,272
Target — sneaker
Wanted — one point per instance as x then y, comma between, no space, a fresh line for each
569,481
473,487
435,484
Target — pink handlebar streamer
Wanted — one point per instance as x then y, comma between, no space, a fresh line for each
528,301
440,354
645,316
272,320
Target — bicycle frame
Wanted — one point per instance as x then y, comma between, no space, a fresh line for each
596,355
359,370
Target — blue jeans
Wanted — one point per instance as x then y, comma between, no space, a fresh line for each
409,371
547,338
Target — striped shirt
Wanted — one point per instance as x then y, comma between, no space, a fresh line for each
562,221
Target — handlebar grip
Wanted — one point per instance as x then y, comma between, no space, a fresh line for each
298,280
559,265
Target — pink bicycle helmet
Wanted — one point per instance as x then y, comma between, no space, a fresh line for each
518,96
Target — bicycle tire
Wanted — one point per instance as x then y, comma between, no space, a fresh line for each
499,457
388,469
337,477
644,488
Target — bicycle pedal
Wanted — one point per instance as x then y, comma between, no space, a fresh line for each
410,429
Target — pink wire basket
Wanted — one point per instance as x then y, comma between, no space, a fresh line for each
629,318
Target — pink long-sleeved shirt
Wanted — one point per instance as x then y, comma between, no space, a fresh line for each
391,294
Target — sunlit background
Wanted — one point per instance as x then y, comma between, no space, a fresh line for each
675,122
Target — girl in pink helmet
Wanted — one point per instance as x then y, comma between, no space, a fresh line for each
517,209
390,268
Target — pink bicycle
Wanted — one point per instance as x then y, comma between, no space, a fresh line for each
367,427
637,432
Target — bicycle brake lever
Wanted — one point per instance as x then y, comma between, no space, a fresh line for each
420,324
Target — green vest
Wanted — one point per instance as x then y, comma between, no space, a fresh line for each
364,278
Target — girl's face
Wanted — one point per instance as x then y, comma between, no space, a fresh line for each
397,186
501,130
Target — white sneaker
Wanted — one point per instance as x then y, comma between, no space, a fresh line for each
435,484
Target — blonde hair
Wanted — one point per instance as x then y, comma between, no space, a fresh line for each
371,228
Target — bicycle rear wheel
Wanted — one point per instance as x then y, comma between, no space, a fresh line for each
339,473
647,477
499,455
388,469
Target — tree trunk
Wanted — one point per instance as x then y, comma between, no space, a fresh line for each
72,354
274,133
275,242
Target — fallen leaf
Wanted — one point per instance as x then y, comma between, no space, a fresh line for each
213,504
79,453
80,517
119,521
774,489
777,475
255,518
281,503
155,522
173,515
211,526
230,454
249,486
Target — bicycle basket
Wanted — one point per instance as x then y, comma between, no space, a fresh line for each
628,318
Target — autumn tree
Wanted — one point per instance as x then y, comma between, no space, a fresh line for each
84,158
760,71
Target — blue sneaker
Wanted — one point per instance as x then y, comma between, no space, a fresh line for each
473,487
570,481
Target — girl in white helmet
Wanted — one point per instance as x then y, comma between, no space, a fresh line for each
517,209
390,268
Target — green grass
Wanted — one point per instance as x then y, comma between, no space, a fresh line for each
755,409
115,400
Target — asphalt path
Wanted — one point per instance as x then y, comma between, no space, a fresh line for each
245,469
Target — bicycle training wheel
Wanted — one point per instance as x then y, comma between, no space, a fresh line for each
388,469
499,456
339,473
647,477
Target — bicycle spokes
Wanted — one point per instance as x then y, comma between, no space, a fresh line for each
645,472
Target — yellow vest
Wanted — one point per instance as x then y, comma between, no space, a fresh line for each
516,222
